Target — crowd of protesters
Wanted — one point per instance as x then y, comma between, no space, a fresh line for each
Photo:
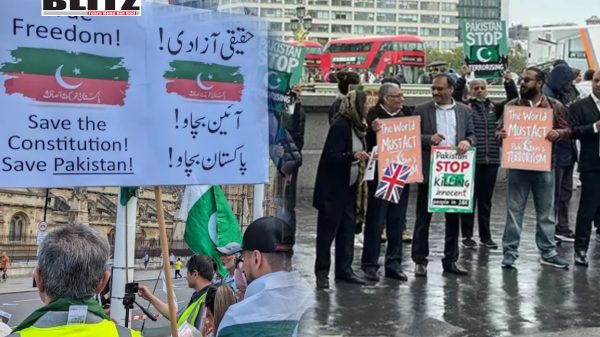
461,115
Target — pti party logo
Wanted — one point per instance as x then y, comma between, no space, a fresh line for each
59,76
205,81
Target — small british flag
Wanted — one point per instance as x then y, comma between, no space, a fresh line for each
393,181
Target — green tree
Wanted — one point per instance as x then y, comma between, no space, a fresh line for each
453,57
517,59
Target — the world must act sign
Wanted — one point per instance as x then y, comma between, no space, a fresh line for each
451,180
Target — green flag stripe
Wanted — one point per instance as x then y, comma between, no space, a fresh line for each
260,329
45,61
197,234
210,72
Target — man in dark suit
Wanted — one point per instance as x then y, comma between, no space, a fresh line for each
585,123
447,123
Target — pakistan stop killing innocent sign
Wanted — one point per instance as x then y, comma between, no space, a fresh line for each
399,141
451,180
176,97
526,146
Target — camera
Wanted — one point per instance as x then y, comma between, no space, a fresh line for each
132,288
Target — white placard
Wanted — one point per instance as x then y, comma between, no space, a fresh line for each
175,97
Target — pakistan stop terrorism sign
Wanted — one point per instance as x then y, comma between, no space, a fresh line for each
485,47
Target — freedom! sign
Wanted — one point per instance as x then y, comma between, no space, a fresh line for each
526,146
451,180
485,47
175,97
399,141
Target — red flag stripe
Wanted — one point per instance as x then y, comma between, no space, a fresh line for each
220,91
45,88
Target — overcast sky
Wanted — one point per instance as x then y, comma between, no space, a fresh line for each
538,12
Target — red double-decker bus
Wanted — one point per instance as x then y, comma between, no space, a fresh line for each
312,54
387,55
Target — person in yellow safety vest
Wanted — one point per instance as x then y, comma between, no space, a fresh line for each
199,277
70,272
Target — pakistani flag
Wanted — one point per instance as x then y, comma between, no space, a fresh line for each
209,221
272,307
128,193
59,76
485,54
205,81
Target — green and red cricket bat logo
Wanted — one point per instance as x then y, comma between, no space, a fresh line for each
58,76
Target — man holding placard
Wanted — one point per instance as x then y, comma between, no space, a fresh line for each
381,212
447,123
529,128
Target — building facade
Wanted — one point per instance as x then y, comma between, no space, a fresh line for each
21,210
434,21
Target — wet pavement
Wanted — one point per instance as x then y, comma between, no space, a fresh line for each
491,301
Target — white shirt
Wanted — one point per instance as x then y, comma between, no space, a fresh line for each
391,113
446,123
597,101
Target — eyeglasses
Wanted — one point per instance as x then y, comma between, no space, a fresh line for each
396,96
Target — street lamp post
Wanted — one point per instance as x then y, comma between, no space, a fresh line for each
301,25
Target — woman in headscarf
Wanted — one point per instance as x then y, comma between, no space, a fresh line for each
340,193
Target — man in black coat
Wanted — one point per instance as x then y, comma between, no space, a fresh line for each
443,122
585,123
382,213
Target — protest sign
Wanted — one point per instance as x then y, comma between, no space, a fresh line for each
526,147
399,141
162,99
451,180
372,91
485,47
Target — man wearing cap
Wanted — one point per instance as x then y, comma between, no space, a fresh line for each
276,297
199,277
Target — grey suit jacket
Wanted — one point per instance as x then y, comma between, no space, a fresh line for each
464,129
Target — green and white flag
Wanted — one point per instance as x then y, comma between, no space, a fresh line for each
209,222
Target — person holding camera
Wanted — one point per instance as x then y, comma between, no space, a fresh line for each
70,272
199,277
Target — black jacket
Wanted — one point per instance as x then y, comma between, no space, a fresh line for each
378,112
334,109
332,185
295,125
583,114
509,86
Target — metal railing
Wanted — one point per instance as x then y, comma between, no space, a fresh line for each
25,249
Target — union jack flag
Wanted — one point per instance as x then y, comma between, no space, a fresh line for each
393,181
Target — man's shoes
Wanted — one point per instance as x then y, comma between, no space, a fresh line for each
565,237
322,282
469,243
371,275
489,243
396,275
421,270
581,259
452,268
406,237
555,261
351,278
508,262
